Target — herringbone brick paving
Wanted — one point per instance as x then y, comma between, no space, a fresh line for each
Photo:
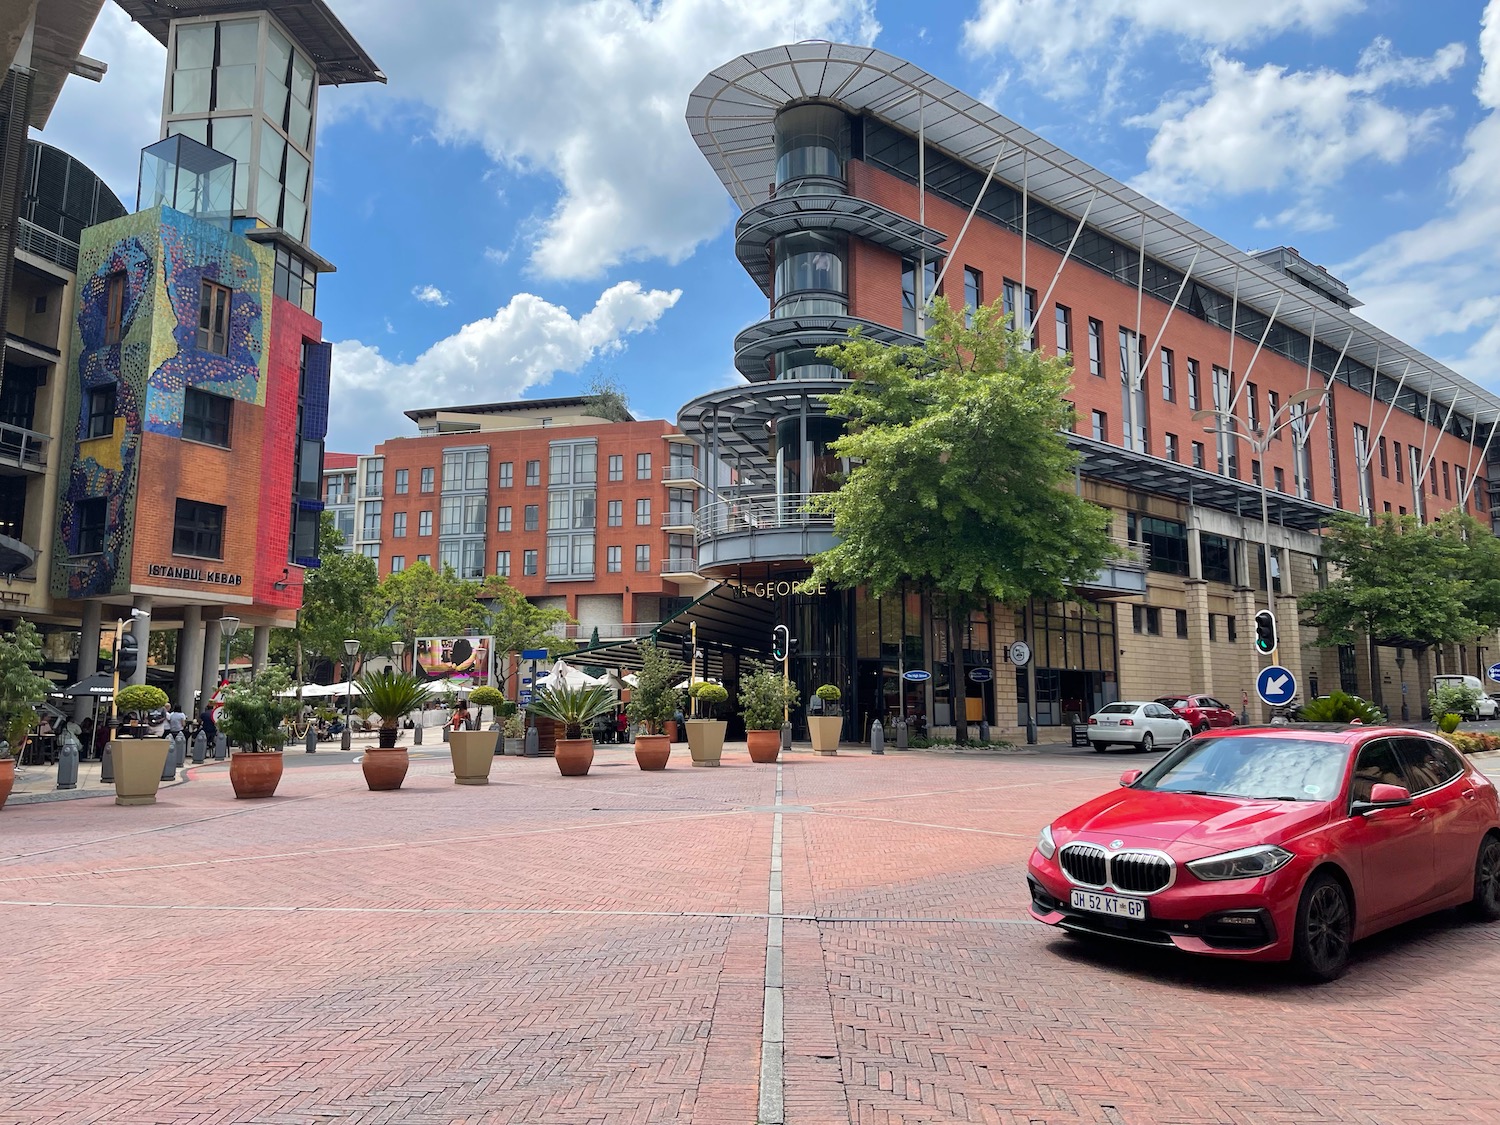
551,950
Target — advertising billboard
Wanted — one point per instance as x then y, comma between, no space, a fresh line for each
465,662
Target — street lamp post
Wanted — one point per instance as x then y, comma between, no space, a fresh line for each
228,626
1259,440
351,647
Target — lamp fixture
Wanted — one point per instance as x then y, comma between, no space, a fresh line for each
281,583
229,626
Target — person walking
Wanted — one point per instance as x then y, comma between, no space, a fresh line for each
209,728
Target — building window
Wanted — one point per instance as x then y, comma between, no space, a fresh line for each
643,513
213,318
1166,538
403,478
424,523
1198,459
613,562
532,517
371,527
616,466
429,480
643,466
1447,492
1254,470
1215,557
1385,468
374,476
205,417
502,563
507,473
1229,622
533,473
502,518
1146,619
643,558
528,563
114,316
1252,400
398,525
1168,376
1213,629
973,294
1171,442
1280,478
1195,390
1101,425
1181,622
398,563
1396,454
425,560
370,551
198,530
1096,347
101,411
92,515
909,301
1064,330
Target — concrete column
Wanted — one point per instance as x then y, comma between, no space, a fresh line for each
1200,651
212,642
189,658
1249,663
1289,638
1425,671
1007,712
1195,550
141,628
261,648
88,657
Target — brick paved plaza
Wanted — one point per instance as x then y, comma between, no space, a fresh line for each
605,949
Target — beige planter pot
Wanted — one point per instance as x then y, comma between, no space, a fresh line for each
825,731
473,754
138,767
706,740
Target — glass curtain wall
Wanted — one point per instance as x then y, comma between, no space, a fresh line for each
1073,645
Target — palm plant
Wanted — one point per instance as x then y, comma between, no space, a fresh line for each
1341,708
573,707
392,694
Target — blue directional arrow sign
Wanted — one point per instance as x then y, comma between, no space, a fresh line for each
1275,685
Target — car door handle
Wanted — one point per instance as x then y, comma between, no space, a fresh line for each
1470,794
1420,814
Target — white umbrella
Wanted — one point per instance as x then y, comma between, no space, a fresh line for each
700,680
564,673
316,691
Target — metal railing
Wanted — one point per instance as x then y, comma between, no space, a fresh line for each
22,447
680,564
682,471
758,513
44,244
608,631
1131,556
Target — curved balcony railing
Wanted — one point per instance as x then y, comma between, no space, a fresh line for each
759,529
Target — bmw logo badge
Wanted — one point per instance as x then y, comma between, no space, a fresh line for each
1117,843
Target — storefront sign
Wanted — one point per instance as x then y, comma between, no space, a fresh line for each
981,675
193,574
777,588
917,675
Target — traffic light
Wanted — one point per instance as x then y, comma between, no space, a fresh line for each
126,658
1265,632
781,642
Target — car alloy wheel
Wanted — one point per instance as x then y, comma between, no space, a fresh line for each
1202,727
1187,733
1486,904
1148,743
1325,925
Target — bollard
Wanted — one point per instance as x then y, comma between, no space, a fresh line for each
200,746
107,765
67,764
179,746
221,747
877,738
446,731
310,744
984,730
416,734
786,736
532,745
901,735
169,767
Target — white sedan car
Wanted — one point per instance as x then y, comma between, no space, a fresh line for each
1147,725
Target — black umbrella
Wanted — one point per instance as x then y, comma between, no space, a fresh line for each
97,685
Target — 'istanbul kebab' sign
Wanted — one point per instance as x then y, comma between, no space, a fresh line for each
193,574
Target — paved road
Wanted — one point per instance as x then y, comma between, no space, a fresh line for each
831,940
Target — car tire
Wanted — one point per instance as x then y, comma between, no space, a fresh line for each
1324,930
1201,728
1187,733
1099,747
1485,905
1148,743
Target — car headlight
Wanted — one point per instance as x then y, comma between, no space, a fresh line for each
1045,844
1247,863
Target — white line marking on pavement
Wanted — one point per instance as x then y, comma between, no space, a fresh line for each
772,1109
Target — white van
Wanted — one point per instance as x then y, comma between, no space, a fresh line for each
1487,707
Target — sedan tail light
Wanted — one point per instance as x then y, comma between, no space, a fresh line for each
1093,721
1127,722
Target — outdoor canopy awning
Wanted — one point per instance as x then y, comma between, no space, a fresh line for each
100,684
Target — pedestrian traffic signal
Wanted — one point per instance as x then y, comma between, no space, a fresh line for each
781,642
1265,632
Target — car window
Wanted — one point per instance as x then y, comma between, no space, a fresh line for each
1267,767
1428,763
1377,764
1160,712
1118,709
1211,702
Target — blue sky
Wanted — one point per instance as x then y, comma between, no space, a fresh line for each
521,209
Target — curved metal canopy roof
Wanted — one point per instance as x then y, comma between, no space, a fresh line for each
754,346
733,423
732,113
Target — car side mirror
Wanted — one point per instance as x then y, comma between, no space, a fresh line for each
1383,796
1130,777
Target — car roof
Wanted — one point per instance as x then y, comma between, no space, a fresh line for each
1324,732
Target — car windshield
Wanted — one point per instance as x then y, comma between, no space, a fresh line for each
1256,767
1119,709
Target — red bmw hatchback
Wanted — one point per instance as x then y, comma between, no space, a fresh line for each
1274,844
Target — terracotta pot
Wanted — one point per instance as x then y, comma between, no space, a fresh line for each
764,745
670,726
139,763
652,751
7,779
255,775
825,730
385,769
574,756
706,740
473,753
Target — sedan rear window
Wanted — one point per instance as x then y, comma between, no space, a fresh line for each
1256,767
1119,709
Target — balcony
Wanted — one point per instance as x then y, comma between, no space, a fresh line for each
755,345
731,533
583,632
22,449
678,565
1123,576
682,475
678,522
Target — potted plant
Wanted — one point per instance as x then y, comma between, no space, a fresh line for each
705,730
575,708
653,701
825,727
251,719
139,762
389,694
21,690
473,751
765,698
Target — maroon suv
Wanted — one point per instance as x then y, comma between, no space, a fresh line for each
1201,711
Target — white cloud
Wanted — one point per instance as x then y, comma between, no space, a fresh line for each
1064,42
1488,90
523,345
1270,129
1297,218
592,94
430,295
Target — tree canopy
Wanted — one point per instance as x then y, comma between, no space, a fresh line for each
338,603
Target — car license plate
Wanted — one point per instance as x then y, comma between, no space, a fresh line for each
1114,905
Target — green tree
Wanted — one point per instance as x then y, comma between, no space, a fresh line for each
21,688
961,484
607,400
340,601
516,623
422,602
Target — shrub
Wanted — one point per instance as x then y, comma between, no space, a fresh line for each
830,695
254,711
140,697
21,689
655,697
391,694
1341,708
709,697
1474,743
765,697
1453,699
1448,722
486,697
